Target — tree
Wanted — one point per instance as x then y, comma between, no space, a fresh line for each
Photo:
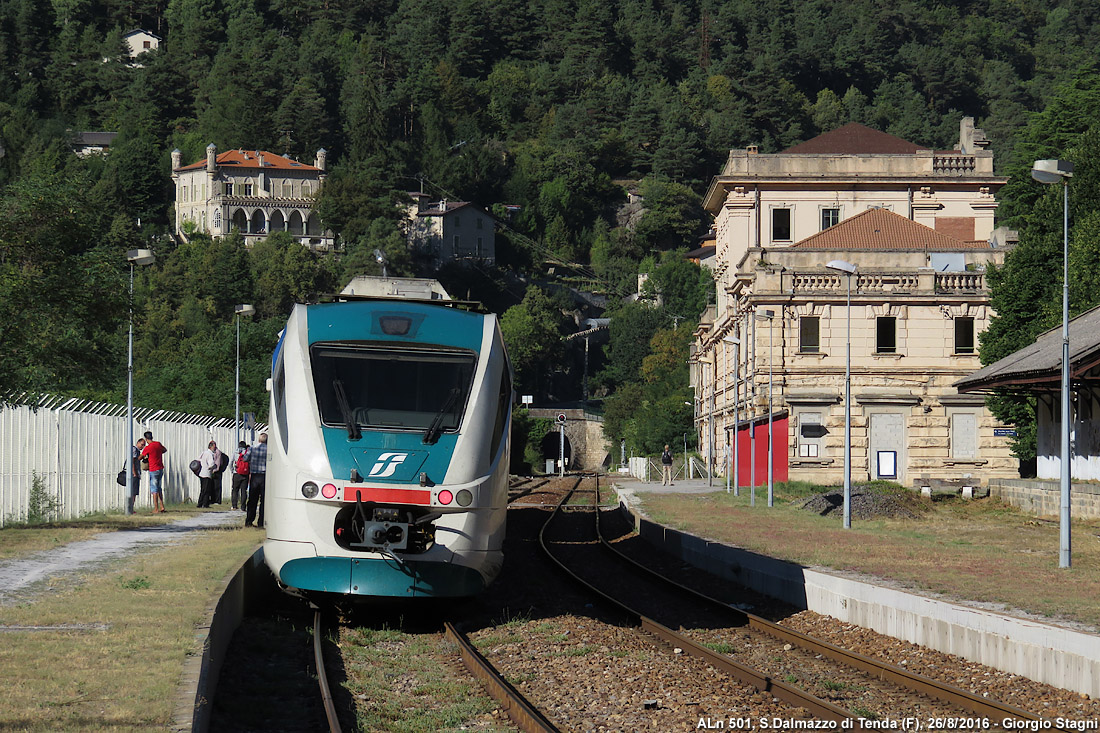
532,332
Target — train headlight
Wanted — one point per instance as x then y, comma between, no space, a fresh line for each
445,497
329,491
464,497
309,489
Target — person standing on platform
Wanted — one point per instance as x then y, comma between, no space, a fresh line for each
666,467
155,451
257,482
135,474
240,476
209,462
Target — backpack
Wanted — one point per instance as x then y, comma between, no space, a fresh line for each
223,462
241,466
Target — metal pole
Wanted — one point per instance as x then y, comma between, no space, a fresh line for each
848,411
1064,556
237,388
128,464
710,423
561,450
752,423
771,411
736,416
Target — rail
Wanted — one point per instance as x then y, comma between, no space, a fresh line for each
525,715
322,676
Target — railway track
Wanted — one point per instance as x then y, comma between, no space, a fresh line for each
901,693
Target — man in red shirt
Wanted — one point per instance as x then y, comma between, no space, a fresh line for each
154,451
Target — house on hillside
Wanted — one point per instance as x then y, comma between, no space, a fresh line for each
444,231
139,41
918,226
253,191
87,143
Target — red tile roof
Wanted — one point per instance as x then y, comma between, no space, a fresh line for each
884,230
246,159
855,139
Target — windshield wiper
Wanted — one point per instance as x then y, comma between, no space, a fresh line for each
435,429
345,410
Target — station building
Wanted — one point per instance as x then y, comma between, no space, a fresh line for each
918,226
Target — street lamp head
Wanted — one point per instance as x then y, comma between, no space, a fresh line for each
731,340
140,256
1051,171
765,315
841,266
244,309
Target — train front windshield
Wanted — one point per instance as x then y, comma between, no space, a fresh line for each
391,389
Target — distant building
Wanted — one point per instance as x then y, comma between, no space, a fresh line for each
445,231
140,41
254,191
918,225
92,143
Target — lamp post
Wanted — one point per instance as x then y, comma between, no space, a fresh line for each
769,316
848,269
244,309
736,411
1053,171
134,257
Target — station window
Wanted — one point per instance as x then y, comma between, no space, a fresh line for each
829,218
964,335
964,435
886,336
809,334
811,434
781,225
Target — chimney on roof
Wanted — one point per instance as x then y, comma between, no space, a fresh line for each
260,158
177,159
753,150
322,155
971,139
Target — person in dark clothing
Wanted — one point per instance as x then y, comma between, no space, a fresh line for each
257,481
666,467
135,474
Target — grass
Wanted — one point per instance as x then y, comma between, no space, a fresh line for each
137,617
408,683
980,550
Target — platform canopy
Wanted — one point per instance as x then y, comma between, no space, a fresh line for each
1038,366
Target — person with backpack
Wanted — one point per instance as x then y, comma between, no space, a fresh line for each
240,476
666,467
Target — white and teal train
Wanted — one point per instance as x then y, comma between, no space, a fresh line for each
388,450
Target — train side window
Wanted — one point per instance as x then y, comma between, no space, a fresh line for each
504,403
278,389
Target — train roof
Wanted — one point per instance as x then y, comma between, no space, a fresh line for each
471,305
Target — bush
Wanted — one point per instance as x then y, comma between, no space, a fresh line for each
41,504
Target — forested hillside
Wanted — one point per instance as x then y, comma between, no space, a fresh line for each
556,109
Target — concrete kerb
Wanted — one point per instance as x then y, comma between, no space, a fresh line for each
194,696
1025,646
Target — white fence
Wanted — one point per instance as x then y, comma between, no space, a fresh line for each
77,447
649,469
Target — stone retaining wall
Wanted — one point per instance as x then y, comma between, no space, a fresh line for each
1040,651
1044,497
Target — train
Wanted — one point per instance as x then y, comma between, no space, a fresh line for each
388,450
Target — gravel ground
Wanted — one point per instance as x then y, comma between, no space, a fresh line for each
590,673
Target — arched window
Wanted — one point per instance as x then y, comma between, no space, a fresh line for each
278,222
240,221
296,224
258,223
